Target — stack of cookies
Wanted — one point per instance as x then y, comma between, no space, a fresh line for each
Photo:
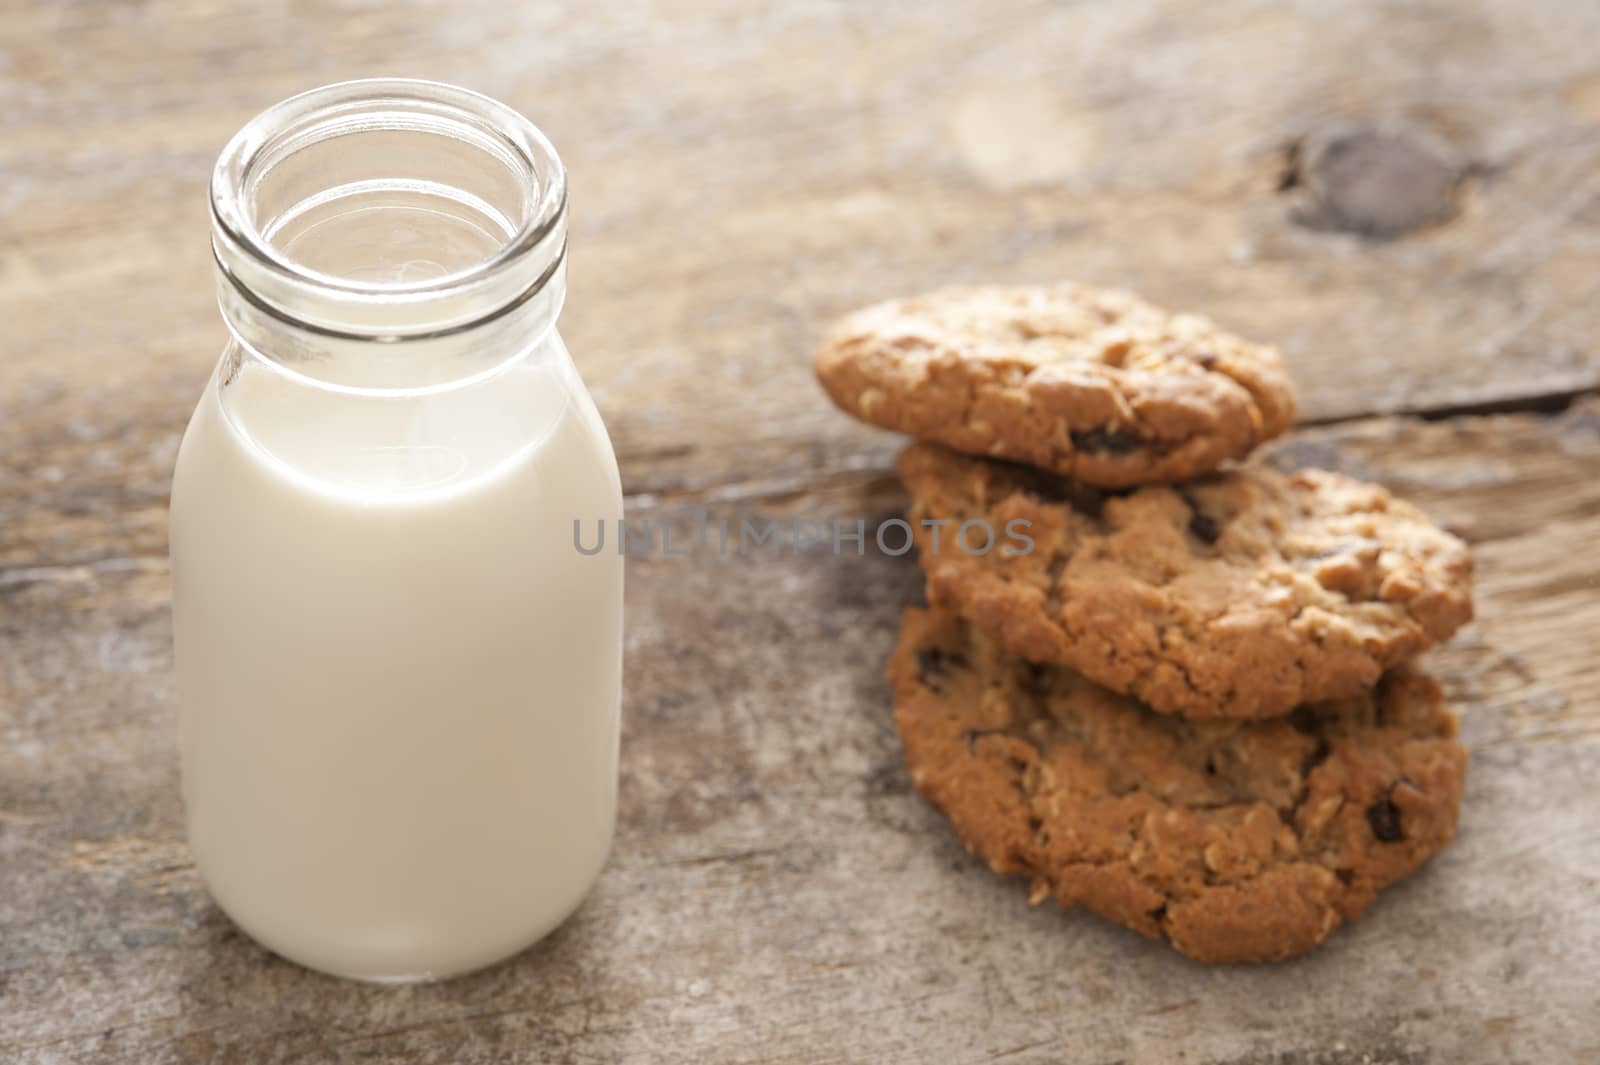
1163,683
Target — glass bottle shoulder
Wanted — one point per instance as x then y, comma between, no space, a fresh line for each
414,446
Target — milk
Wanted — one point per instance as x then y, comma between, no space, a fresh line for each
398,679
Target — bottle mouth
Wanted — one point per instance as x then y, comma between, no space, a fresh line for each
387,209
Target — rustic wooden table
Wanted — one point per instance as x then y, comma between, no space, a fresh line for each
1406,199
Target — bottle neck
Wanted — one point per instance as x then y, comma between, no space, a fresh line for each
374,362
389,236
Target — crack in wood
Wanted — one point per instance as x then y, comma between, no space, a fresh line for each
1555,401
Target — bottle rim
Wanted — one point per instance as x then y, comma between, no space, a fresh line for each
274,282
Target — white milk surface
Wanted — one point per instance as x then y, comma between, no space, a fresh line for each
399,680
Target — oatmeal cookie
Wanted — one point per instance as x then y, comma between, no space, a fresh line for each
1241,594
1234,840
1091,383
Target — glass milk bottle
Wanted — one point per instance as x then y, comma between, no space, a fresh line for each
398,679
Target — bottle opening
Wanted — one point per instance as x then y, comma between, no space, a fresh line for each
389,232
386,210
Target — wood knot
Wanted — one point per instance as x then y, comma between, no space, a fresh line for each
1377,182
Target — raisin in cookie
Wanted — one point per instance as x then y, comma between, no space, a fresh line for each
1091,383
1241,594
1237,841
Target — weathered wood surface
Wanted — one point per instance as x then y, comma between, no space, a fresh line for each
1406,199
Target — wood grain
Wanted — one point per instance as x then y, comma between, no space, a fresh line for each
777,892
1405,198
738,178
